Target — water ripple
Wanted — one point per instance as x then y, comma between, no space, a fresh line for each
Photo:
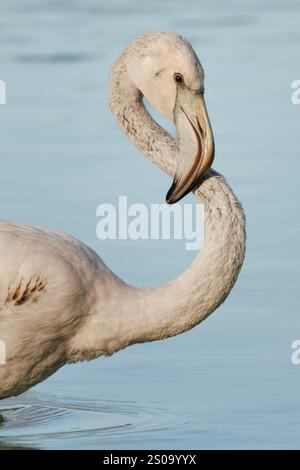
35,418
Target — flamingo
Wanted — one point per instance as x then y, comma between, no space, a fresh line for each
59,303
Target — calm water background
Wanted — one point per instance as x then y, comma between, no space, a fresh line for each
230,382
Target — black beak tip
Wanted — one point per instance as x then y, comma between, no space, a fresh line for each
170,199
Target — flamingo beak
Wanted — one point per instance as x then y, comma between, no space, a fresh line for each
195,142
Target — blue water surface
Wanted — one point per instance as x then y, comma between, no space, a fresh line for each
230,382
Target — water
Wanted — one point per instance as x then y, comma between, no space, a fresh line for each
230,382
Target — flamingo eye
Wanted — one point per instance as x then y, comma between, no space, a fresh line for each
178,78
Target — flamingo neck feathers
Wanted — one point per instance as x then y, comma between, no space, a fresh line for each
136,315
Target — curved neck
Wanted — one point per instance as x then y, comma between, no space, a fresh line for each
180,304
133,315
